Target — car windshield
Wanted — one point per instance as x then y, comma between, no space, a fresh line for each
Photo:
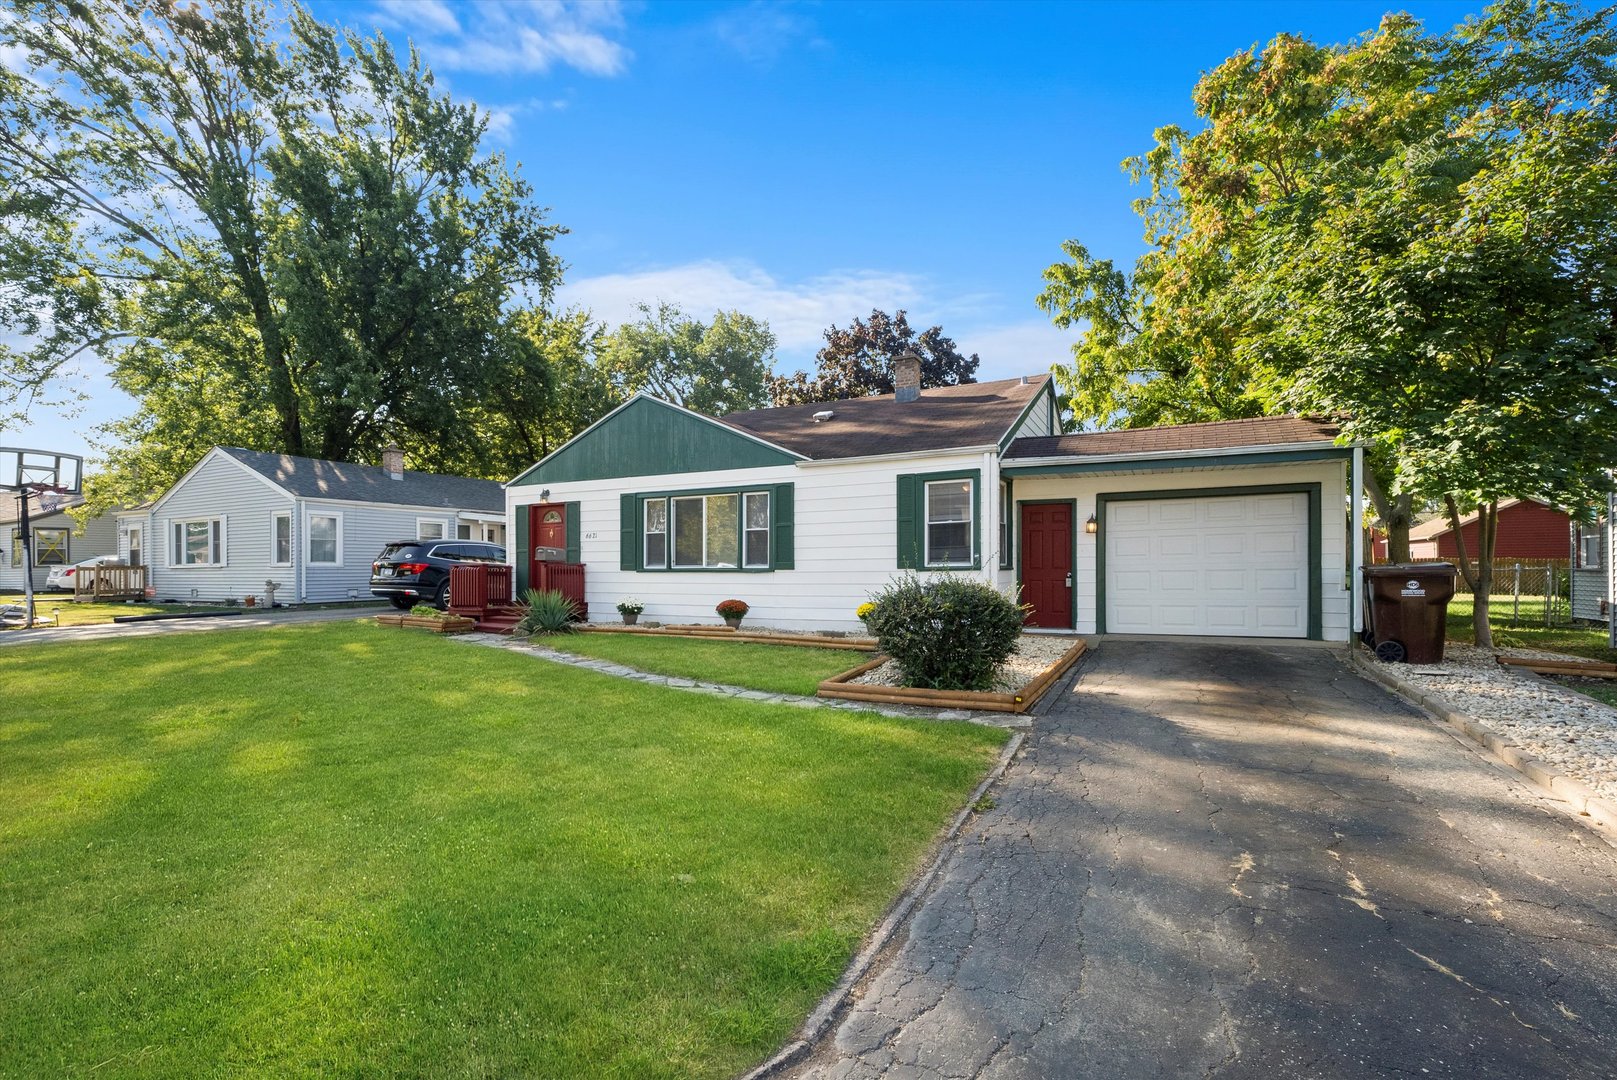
394,552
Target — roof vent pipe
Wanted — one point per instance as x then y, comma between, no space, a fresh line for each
393,461
906,376
1024,380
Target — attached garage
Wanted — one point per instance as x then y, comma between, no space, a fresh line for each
1235,565
1233,529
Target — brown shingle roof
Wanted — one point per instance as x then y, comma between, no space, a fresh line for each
1214,435
973,414
10,510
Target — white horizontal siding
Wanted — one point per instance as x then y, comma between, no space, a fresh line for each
846,542
1589,585
1335,597
366,530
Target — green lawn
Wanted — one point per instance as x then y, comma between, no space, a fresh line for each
48,605
778,669
347,850
1532,633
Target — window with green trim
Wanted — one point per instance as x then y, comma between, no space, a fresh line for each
710,530
948,523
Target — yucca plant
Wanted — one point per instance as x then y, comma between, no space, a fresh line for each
548,612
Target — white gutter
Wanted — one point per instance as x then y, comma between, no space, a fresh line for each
1356,523
952,451
480,515
1170,455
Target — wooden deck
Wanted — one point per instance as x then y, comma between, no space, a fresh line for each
96,584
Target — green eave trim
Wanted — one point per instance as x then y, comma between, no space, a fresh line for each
1048,389
1316,559
647,437
1199,461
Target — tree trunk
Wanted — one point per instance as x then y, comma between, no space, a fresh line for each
1397,514
1478,578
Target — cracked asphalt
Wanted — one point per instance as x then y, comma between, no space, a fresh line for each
1248,861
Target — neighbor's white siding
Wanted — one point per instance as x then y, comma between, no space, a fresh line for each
100,537
846,542
366,530
218,488
1588,583
1335,594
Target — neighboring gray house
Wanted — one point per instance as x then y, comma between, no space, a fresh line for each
58,540
240,518
1591,567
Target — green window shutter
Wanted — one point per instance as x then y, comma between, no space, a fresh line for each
783,528
571,510
628,532
909,534
522,552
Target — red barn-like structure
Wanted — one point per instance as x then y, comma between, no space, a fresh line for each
1528,529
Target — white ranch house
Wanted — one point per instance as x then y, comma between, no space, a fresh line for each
240,518
1241,528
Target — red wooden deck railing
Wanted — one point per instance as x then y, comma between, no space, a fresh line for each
485,591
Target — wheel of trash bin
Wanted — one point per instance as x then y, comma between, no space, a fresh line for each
1390,652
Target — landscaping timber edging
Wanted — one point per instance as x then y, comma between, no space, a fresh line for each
1587,669
724,633
454,624
843,686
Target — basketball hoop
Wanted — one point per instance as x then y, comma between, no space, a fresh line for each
50,476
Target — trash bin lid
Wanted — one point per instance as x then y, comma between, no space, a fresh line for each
1424,569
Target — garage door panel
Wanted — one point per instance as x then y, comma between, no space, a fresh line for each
1231,564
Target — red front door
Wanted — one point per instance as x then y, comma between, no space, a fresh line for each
547,528
1047,564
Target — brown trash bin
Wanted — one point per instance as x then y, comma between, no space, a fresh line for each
1406,610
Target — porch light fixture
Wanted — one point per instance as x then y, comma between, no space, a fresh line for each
1091,526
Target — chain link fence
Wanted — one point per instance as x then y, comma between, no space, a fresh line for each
1526,592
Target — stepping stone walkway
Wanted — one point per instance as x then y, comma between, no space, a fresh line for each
1010,721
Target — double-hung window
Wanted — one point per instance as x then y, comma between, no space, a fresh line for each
755,540
50,547
429,529
1006,541
655,534
325,540
281,538
949,527
1588,547
197,542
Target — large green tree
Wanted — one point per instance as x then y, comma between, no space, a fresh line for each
713,368
857,361
289,220
1414,232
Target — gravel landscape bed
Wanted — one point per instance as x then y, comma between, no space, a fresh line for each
1554,723
1034,653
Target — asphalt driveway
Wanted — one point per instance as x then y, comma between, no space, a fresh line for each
1236,861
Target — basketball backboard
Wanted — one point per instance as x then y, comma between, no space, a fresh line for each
43,470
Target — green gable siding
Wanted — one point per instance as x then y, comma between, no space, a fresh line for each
649,438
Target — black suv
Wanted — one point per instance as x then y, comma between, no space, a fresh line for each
412,572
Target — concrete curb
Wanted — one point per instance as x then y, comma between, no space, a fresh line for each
1584,801
832,1004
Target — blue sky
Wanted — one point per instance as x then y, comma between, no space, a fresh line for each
804,163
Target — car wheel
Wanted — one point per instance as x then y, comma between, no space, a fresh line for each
440,599
403,603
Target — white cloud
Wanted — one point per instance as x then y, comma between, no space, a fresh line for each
502,119
799,311
1011,349
502,36
760,32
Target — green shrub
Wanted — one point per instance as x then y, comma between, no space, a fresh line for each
548,613
948,633
426,611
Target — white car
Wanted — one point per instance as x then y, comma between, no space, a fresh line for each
60,579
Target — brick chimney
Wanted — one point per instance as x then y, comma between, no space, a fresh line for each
906,376
393,461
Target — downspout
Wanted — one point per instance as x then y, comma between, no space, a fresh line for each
1356,527
990,524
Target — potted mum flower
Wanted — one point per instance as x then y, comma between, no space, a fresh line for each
630,609
865,611
733,611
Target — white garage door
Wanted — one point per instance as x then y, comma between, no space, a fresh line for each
1231,565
